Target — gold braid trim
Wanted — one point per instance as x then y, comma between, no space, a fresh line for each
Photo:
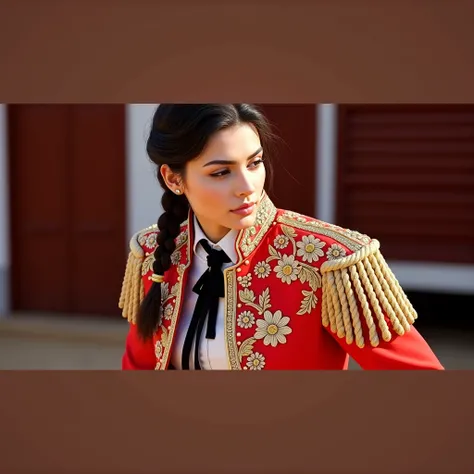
133,292
365,278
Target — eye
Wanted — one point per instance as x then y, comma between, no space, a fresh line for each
256,163
219,174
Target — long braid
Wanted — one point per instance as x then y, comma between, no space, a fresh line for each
169,225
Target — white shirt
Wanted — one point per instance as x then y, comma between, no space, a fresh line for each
212,352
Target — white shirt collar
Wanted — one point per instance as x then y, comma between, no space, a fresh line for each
227,243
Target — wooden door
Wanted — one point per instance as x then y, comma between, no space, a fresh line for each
67,174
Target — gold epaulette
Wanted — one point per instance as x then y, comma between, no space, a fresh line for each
364,280
132,293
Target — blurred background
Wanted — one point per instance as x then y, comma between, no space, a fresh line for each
75,184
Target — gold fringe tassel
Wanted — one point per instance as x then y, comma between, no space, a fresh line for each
132,293
365,278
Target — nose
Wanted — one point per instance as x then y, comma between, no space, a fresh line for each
245,186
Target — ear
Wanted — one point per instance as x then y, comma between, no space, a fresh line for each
172,180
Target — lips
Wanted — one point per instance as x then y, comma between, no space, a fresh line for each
245,209
245,206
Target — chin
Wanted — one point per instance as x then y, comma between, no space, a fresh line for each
244,222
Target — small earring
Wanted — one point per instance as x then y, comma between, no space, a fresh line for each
178,191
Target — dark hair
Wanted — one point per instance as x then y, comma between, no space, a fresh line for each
179,133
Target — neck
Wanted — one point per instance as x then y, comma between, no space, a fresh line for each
213,233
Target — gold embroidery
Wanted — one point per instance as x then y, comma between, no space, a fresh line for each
245,281
256,361
309,302
262,270
287,269
351,239
245,320
142,235
248,297
168,312
148,264
246,348
230,303
334,252
281,242
273,328
248,239
176,293
310,248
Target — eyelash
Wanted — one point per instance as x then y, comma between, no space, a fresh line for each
221,174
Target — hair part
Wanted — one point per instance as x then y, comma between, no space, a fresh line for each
179,133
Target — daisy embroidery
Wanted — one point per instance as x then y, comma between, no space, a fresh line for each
158,349
256,361
168,312
310,248
150,241
335,251
262,269
273,328
281,242
246,320
287,269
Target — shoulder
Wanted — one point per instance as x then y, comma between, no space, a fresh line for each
336,241
357,283
145,241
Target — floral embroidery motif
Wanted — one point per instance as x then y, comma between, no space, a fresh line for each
262,269
248,297
158,349
351,239
245,281
246,320
182,238
281,242
335,251
151,240
147,264
310,248
176,257
144,234
166,294
168,312
287,269
165,291
256,361
273,328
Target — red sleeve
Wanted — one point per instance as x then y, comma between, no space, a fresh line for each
407,352
138,355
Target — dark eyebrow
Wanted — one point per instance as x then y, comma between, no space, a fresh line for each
228,162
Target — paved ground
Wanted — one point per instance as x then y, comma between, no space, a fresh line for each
43,342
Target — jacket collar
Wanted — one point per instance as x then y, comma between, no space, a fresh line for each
246,241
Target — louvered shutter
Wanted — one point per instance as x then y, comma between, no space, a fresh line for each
406,177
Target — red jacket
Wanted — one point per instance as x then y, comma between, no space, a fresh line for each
304,294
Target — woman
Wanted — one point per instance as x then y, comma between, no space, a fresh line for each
258,287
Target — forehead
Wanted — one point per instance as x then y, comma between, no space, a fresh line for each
234,143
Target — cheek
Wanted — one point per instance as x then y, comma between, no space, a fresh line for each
208,194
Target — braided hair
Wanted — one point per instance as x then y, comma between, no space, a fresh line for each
178,134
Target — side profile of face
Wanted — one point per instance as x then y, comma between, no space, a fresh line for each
224,184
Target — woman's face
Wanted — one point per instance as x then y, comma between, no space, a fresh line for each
224,184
